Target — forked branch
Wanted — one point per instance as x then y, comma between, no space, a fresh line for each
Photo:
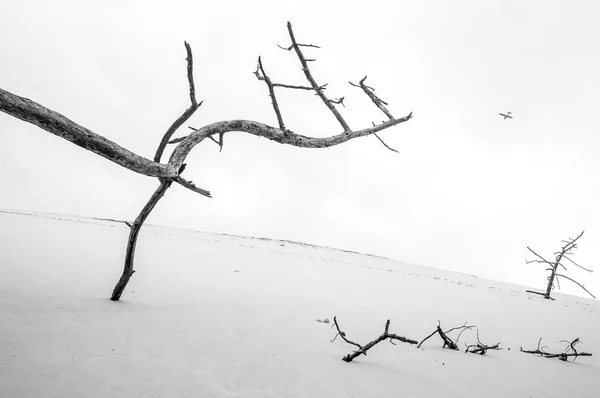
569,351
448,342
481,348
362,350
329,103
188,112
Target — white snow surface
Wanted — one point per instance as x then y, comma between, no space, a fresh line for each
214,315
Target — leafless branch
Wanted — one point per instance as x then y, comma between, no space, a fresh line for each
481,348
379,103
267,80
577,283
299,45
570,244
187,113
177,140
343,334
299,87
444,335
385,145
191,186
541,294
537,261
338,101
574,263
362,350
311,79
562,356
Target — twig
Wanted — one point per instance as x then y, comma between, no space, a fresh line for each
343,335
191,186
300,45
384,144
379,103
574,263
266,79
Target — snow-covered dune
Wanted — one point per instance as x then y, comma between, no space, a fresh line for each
213,315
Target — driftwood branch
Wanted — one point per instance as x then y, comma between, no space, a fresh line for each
448,342
481,348
570,351
362,350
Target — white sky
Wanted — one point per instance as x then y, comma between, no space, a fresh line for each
468,191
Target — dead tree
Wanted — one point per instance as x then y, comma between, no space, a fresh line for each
564,254
448,342
481,348
570,351
171,172
362,350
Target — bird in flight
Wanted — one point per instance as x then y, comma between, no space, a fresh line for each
506,115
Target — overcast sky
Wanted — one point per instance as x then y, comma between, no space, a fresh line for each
468,191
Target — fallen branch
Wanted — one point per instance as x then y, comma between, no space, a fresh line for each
448,342
563,356
481,348
362,350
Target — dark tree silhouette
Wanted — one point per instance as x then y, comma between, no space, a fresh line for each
171,172
564,254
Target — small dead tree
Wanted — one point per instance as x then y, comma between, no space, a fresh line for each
564,254
448,342
362,350
570,351
170,172
481,348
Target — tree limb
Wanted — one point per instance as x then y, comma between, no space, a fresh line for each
371,94
444,335
59,125
343,334
562,356
187,113
362,350
263,76
577,283
311,79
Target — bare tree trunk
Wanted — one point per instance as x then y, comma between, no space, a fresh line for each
133,235
553,275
